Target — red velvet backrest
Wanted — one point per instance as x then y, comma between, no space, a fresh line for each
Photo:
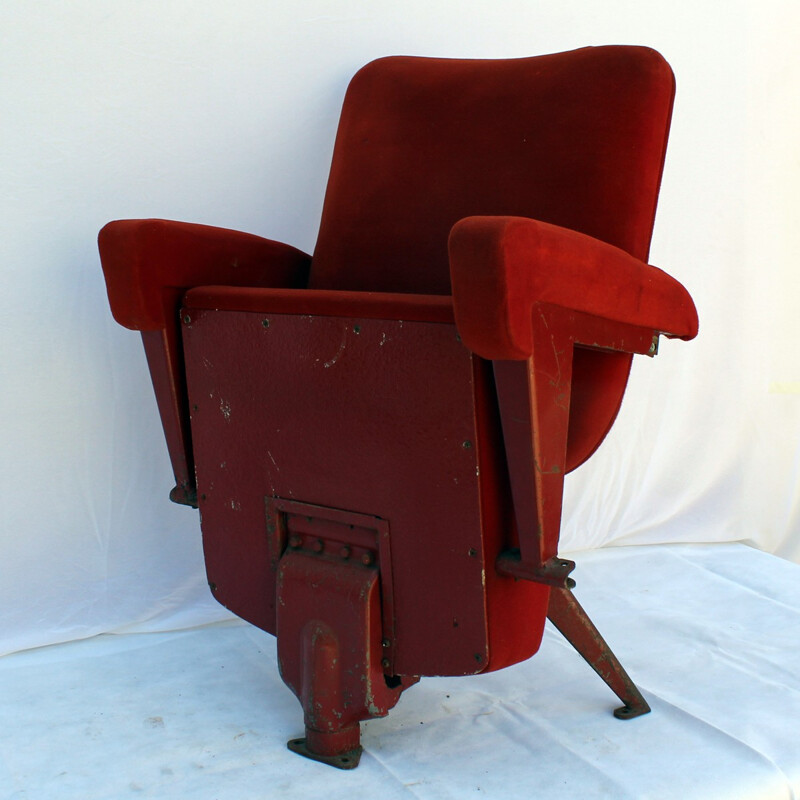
576,139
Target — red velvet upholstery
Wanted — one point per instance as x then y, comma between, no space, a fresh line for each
149,264
575,139
501,266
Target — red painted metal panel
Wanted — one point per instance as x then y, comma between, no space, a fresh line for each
367,416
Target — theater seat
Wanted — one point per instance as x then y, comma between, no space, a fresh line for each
377,436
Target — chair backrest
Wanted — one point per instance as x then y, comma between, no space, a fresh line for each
575,139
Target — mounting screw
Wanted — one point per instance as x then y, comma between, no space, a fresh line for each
295,540
187,319
472,552
385,643
466,444
344,552
356,329
265,323
385,663
367,559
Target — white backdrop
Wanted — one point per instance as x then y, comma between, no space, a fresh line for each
225,114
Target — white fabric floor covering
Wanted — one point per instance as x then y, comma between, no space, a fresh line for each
710,633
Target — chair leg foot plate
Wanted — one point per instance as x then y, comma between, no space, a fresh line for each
629,712
347,760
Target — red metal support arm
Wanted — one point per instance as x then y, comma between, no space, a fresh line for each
525,294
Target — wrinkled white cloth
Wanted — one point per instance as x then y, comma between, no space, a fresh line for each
710,633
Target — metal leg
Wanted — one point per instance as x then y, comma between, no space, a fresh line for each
566,613
330,652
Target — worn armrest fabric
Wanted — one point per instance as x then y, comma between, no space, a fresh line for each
149,263
501,266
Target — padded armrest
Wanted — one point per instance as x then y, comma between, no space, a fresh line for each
501,266
149,263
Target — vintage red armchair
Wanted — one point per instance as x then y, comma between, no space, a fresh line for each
377,436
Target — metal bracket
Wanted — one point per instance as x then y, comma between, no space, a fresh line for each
342,537
552,572
184,495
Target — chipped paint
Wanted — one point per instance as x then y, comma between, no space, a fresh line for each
554,470
339,352
225,408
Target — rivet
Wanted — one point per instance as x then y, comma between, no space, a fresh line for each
318,546
187,319
367,559
344,552
472,552
295,540
265,323
356,329
466,444
385,663
195,407
478,657
385,643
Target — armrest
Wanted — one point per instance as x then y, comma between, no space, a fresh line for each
149,263
501,266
